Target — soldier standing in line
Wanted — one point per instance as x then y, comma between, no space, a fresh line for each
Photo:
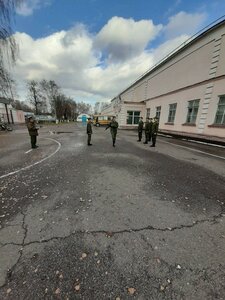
147,131
113,128
89,132
150,131
140,129
33,131
155,127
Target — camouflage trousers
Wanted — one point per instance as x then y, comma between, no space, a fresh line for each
89,139
33,140
139,135
154,135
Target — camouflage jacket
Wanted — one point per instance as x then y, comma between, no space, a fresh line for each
148,127
31,126
155,127
140,125
113,126
89,128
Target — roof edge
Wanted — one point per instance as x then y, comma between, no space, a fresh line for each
177,50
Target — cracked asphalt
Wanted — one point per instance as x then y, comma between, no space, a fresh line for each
130,222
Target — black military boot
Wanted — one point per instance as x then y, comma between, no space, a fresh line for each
114,143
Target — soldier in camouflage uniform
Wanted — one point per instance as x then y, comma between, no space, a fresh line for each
147,131
113,128
150,131
89,132
155,127
33,131
140,129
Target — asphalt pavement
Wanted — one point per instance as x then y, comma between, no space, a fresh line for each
97,222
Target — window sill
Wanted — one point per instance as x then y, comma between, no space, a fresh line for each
217,125
189,124
169,123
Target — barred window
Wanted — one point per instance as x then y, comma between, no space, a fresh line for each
193,106
220,114
172,112
148,113
158,112
133,117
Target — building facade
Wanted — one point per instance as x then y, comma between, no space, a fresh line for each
10,115
186,91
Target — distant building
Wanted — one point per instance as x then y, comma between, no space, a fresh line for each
10,115
185,90
45,118
4,110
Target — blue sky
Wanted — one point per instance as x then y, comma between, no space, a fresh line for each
94,49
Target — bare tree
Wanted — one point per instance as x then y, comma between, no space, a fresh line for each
65,108
21,106
70,109
59,106
36,97
51,91
8,46
83,108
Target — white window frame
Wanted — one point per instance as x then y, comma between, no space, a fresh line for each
133,116
158,112
192,113
218,112
172,112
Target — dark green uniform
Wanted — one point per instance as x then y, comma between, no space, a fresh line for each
150,131
33,132
147,131
113,128
155,127
89,133
140,129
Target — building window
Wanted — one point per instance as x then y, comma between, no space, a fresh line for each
158,112
193,106
172,112
133,117
220,114
148,113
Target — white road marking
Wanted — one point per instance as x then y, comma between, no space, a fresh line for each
195,150
29,151
36,163
204,143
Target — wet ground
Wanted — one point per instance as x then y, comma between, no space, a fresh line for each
130,222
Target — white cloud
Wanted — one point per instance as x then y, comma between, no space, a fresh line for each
73,61
184,23
26,8
95,67
125,38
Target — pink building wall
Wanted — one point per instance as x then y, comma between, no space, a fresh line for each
197,71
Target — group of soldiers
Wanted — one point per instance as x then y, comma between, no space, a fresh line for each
113,125
151,129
